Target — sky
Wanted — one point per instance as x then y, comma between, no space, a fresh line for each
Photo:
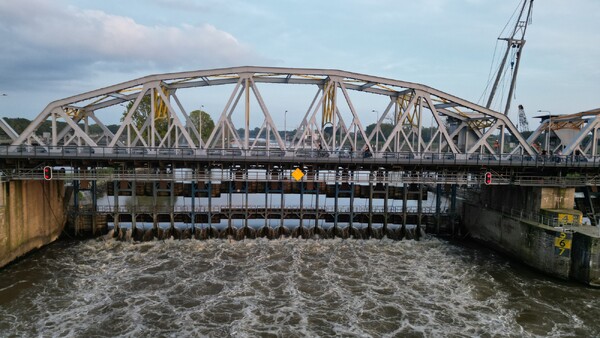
53,49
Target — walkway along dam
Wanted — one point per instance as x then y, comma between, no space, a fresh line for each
162,173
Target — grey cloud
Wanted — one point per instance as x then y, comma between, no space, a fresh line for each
44,42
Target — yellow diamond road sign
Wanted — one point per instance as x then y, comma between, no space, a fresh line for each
297,174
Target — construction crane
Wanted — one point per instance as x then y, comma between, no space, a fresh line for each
514,42
523,125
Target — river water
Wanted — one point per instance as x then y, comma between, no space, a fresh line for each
286,288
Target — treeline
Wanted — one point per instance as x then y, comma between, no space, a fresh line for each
19,124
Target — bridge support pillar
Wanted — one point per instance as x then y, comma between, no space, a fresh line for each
335,207
404,208
438,207
116,205
133,210
385,207
370,219
419,212
453,208
209,194
301,204
193,187
351,214
590,206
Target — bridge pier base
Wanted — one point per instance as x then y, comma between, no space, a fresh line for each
23,228
538,226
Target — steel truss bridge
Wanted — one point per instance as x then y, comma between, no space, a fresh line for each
465,138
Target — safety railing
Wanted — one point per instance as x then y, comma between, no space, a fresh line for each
301,154
161,209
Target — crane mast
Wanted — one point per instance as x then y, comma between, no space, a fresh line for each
515,41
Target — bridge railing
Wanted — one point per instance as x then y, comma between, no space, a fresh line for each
162,209
319,176
301,155
540,218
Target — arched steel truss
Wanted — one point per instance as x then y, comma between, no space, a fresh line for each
573,134
462,127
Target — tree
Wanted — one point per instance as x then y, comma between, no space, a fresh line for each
142,113
206,124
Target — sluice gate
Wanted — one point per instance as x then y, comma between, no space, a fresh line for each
322,209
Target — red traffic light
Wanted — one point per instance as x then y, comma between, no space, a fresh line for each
488,178
47,173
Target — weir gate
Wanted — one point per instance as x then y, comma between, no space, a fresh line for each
334,174
269,195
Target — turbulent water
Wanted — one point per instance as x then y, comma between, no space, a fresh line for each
286,288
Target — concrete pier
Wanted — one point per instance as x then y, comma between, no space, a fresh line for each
546,235
32,214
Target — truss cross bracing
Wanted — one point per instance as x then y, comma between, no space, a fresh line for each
417,119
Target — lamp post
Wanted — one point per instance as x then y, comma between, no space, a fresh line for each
376,130
200,125
549,128
285,128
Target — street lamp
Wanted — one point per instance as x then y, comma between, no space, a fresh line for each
549,128
200,125
285,128
376,130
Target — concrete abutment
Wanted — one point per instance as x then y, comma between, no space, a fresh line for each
32,214
538,226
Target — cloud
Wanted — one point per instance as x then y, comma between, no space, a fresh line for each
43,41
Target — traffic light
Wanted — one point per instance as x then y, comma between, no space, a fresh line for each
47,173
488,178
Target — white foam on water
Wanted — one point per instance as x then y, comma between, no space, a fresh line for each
287,287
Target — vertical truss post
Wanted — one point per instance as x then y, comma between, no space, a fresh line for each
247,115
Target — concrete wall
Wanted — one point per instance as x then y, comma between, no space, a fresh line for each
586,259
528,242
31,216
532,199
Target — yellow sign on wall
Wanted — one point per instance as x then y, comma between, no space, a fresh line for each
562,243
